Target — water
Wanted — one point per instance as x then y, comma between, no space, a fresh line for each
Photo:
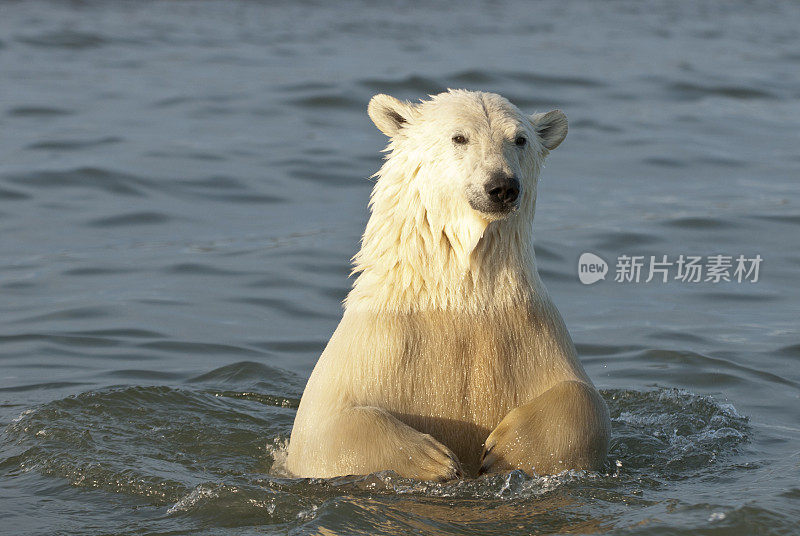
182,185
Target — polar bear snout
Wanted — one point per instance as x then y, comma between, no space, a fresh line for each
499,196
502,190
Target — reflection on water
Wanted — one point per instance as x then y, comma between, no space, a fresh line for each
183,184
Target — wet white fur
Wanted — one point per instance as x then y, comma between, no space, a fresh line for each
424,246
448,327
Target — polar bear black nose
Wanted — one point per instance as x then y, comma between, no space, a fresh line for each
502,189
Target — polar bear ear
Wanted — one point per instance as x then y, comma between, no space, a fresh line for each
551,128
389,114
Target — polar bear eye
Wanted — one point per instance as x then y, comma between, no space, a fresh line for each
459,139
520,141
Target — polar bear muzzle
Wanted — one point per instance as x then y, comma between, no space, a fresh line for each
500,195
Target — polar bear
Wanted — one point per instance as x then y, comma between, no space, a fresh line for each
450,358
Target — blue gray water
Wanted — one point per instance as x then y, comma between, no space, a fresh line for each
182,185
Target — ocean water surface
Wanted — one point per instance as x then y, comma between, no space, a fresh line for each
182,185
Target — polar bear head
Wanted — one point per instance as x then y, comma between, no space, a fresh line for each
469,151
453,204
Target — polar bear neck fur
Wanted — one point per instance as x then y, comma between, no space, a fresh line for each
418,258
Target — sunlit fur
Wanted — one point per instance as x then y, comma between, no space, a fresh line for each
448,327
424,246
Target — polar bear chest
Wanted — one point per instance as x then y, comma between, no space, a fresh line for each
454,376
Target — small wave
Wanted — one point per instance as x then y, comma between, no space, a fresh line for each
38,111
543,80
84,177
73,145
285,307
682,90
73,313
409,84
665,162
70,39
194,268
94,271
254,381
128,184
154,442
326,176
700,223
133,218
620,241
691,91
791,219
12,195
585,123
473,76
192,347
202,452
332,100
293,347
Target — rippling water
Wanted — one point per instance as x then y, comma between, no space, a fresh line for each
183,183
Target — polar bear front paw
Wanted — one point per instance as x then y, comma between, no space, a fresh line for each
501,449
566,427
430,460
